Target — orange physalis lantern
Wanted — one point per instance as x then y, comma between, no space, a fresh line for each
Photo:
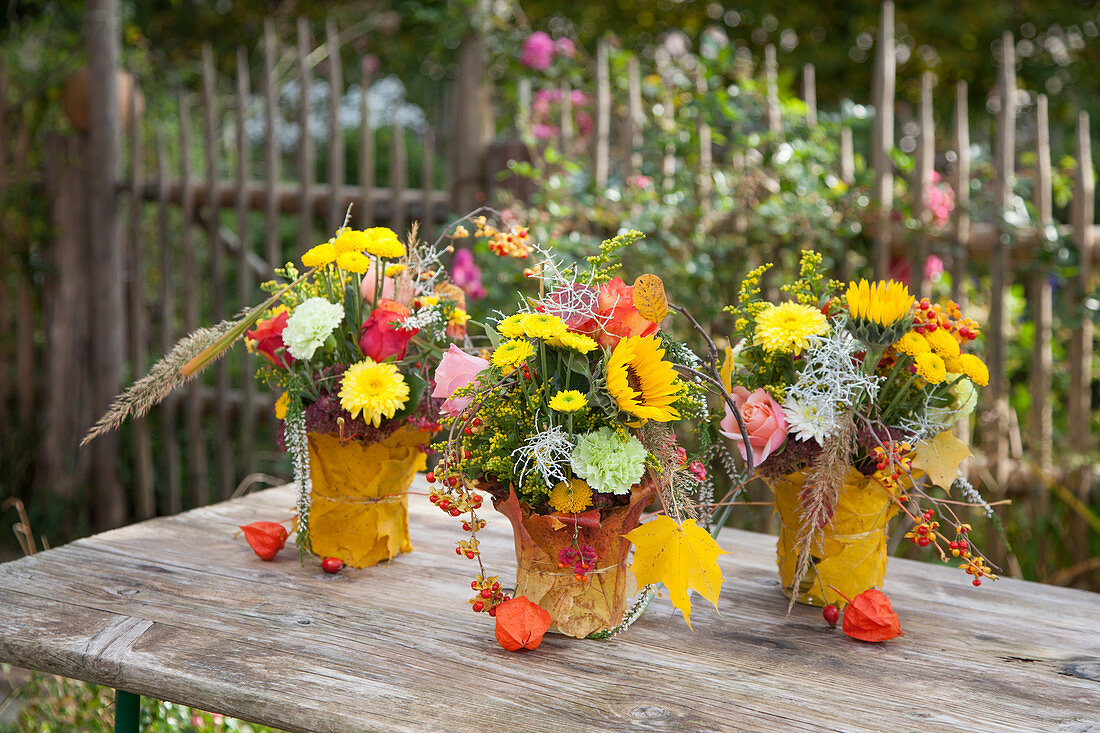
521,624
870,617
265,538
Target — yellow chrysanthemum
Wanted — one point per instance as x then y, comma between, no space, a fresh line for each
543,326
912,344
281,405
884,303
395,270
571,497
942,342
458,317
641,382
786,328
351,240
382,242
975,369
322,254
568,400
353,262
511,354
954,366
373,389
512,326
930,367
574,342
426,301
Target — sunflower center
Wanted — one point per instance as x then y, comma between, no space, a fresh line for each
633,380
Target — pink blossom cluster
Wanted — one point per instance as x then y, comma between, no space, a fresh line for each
940,200
467,275
539,50
542,112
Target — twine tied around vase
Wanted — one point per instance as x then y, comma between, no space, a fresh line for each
384,499
556,569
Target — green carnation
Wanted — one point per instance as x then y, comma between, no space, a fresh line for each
608,462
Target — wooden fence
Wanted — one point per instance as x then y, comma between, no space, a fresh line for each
198,242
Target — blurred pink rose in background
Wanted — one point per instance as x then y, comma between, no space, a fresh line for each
538,51
456,369
564,47
765,423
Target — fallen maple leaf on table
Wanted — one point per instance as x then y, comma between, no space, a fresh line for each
521,624
870,617
940,458
680,557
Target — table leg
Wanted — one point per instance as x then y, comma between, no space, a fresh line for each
127,712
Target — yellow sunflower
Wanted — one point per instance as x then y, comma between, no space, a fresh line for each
786,328
571,497
884,303
512,354
353,262
373,389
975,369
930,367
568,400
543,326
642,383
942,343
574,342
322,254
512,326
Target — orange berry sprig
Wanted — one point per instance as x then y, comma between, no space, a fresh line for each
488,595
930,317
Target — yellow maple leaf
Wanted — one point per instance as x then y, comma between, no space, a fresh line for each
940,458
680,557
650,299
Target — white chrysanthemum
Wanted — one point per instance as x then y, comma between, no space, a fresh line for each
309,325
811,420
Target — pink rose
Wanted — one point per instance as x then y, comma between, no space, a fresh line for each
456,369
764,422
538,51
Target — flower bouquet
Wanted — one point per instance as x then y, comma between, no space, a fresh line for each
346,342
849,395
565,422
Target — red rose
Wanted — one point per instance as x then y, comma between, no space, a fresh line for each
267,339
381,337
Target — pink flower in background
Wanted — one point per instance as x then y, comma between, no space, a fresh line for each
940,200
538,51
933,268
466,274
544,132
584,123
765,423
578,98
456,369
565,47
644,182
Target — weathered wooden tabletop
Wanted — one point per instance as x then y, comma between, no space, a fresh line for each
177,608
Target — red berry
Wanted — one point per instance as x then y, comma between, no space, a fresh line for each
470,554
977,582
831,614
486,593
493,611
454,511
963,544
465,526
473,584
924,542
458,550
478,606
467,431
332,565
431,477
467,454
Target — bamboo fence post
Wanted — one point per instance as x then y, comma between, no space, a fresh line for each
566,108
106,250
1081,340
222,445
635,117
882,140
244,279
997,331
399,180
366,154
523,110
305,142
704,177
771,75
848,177
273,245
809,94
961,183
170,406
427,221
335,133
1042,306
602,152
196,446
925,164
143,452
24,300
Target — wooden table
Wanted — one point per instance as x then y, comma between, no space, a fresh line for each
177,608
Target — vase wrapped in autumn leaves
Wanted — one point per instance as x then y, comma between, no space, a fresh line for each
848,400
564,423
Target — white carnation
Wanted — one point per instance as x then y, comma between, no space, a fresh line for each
309,325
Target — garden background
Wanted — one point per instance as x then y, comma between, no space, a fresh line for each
941,142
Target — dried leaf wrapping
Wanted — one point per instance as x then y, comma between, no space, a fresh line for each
940,458
681,557
358,508
850,552
576,608
521,624
871,617
265,538
650,299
